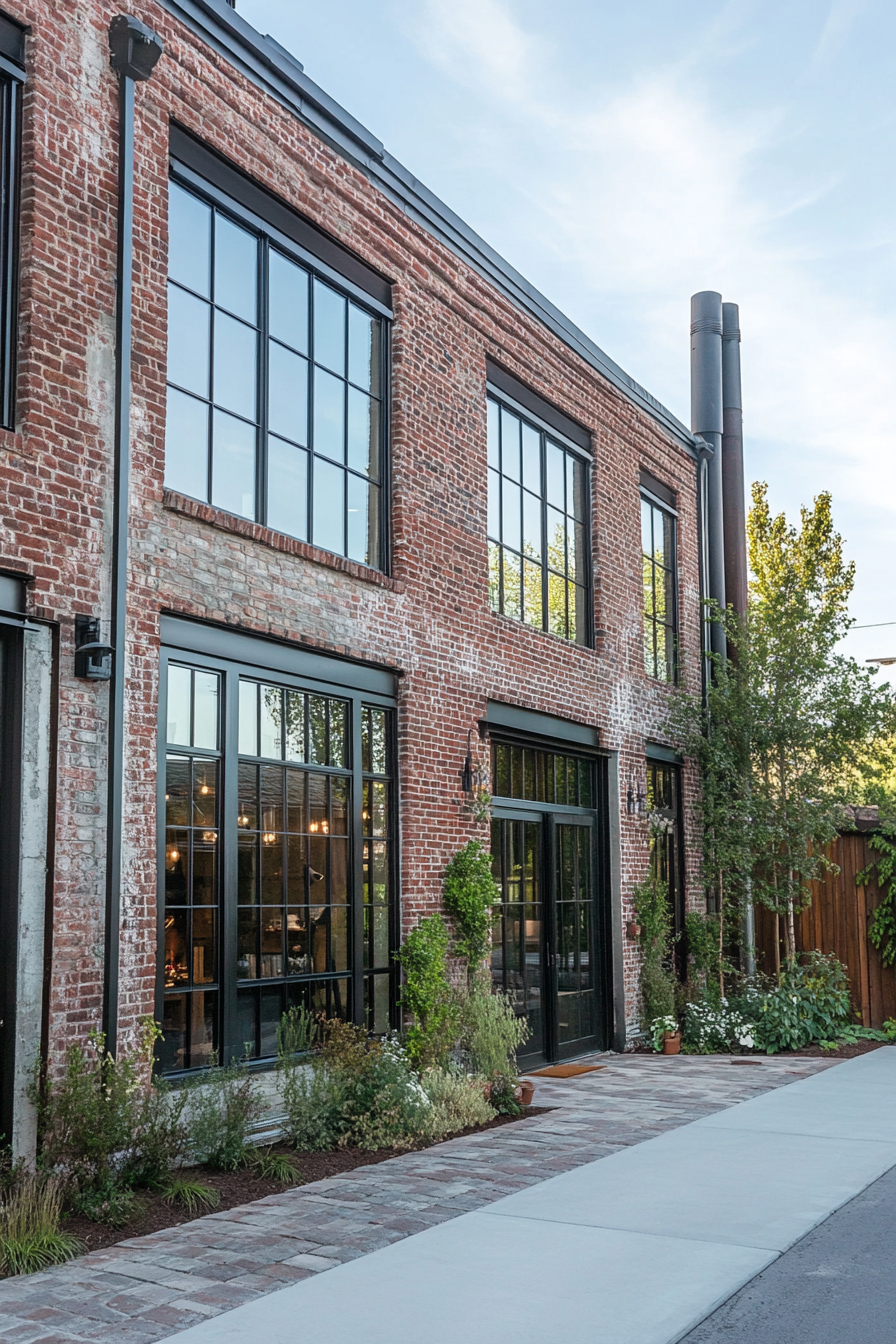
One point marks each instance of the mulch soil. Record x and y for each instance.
(244, 1186)
(814, 1051)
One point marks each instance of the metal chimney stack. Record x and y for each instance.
(707, 421)
(735, 522)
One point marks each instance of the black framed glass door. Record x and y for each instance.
(548, 945)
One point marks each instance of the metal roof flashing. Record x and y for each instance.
(264, 61)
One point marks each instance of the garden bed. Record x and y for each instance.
(245, 1185)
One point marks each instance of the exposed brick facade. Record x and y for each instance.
(430, 619)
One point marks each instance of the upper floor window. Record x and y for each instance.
(12, 56)
(275, 385)
(658, 569)
(537, 512)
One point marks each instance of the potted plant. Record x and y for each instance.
(666, 1035)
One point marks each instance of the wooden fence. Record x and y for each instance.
(837, 921)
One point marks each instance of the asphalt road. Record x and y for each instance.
(836, 1286)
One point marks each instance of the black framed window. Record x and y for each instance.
(658, 561)
(278, 883)
(275, 384)
(538, 493)
(11, 79)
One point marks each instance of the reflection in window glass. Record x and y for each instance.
(310, 432)
(541, 776)
(537, 519)
(660, 606)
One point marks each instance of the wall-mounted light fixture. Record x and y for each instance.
(466, 775)
(93, 657)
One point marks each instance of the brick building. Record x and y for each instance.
(363, 522)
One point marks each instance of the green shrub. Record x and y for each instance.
(30, 1238)
(223, 1104)
(427, 993)
(712, 1027)
(312, 1099)
(106, 1124)
(471, 894)
(811, 1004)
(490, 1031)
(189, 1193)
(658, 983)
(502, 1094)
(457, 1102)
(108, 1201)
(657, 991)
(271, 1166)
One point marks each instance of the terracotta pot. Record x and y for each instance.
(525, 1092)
(672, 1043)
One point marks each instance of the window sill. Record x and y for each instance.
(277, 541)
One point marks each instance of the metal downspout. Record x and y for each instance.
(706, 420)
(134, 50)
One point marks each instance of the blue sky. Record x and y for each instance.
(624, 155)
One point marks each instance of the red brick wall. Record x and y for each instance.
(431, 619)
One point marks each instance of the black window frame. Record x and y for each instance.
(238, 657)
(12, 77)
(552, 426)
(279, 229)
(665, 507)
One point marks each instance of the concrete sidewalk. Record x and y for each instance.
(636, 1248)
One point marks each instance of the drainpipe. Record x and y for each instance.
(704, 456)
(706, 420)
(735, 533)
(134, 50)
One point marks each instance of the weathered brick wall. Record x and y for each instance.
(430, 619)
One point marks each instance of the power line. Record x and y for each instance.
(876, 625)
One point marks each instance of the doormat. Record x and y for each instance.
(566, 1070)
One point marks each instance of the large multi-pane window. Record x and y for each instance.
(658, 569)
(275, 386)
(277, 866)
(538, 496)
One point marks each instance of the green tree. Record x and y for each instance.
(786, 719)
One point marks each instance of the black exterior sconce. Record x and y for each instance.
(466, 775)
(93, 658)
(134, 48)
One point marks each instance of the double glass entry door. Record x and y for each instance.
(545, 947)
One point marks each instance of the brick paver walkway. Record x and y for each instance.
(150, 1287)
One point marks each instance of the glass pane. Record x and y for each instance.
(296, 817)
(510, 444)
(317, 729)
(329, 415)
(556, 604)
(236, 269)
(287, 489)
(205, 709)
(376, 759)
(318, 811)
(177, 791)
(577, 552)
(178, 710)
(556, 530)
(249, 718)
(246, 1015)
(288, 302)
(205, 794)
(668, 540)
(189, 239)
(494, 505)
(188, 341)
(532, 459)
(363, 432)
(233, 465)
(247, 868)
(512, 579)
(248, 797)
(533, 613)
(295, 726)
(502, 771)
(329, 328)
(646, 529)
(271, 799)
(494, 576)
(271, 722)
(531, 525)
(297, 940)
(173, 1045)
(205, 969)
(339, 806)
(580, 500)
(337, 732)
(177, 861)
(186, 445)
(363, 349)
(511, 516)
(556, 470)
(493, 432)
(177, 969)
(577, 628)
(328, 519)
(272, 874)
(247, 944)
(271, 1010)
(287, 393)
(361, 546)
(235, 380)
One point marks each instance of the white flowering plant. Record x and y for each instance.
(659, 1027)
(714, 1028)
